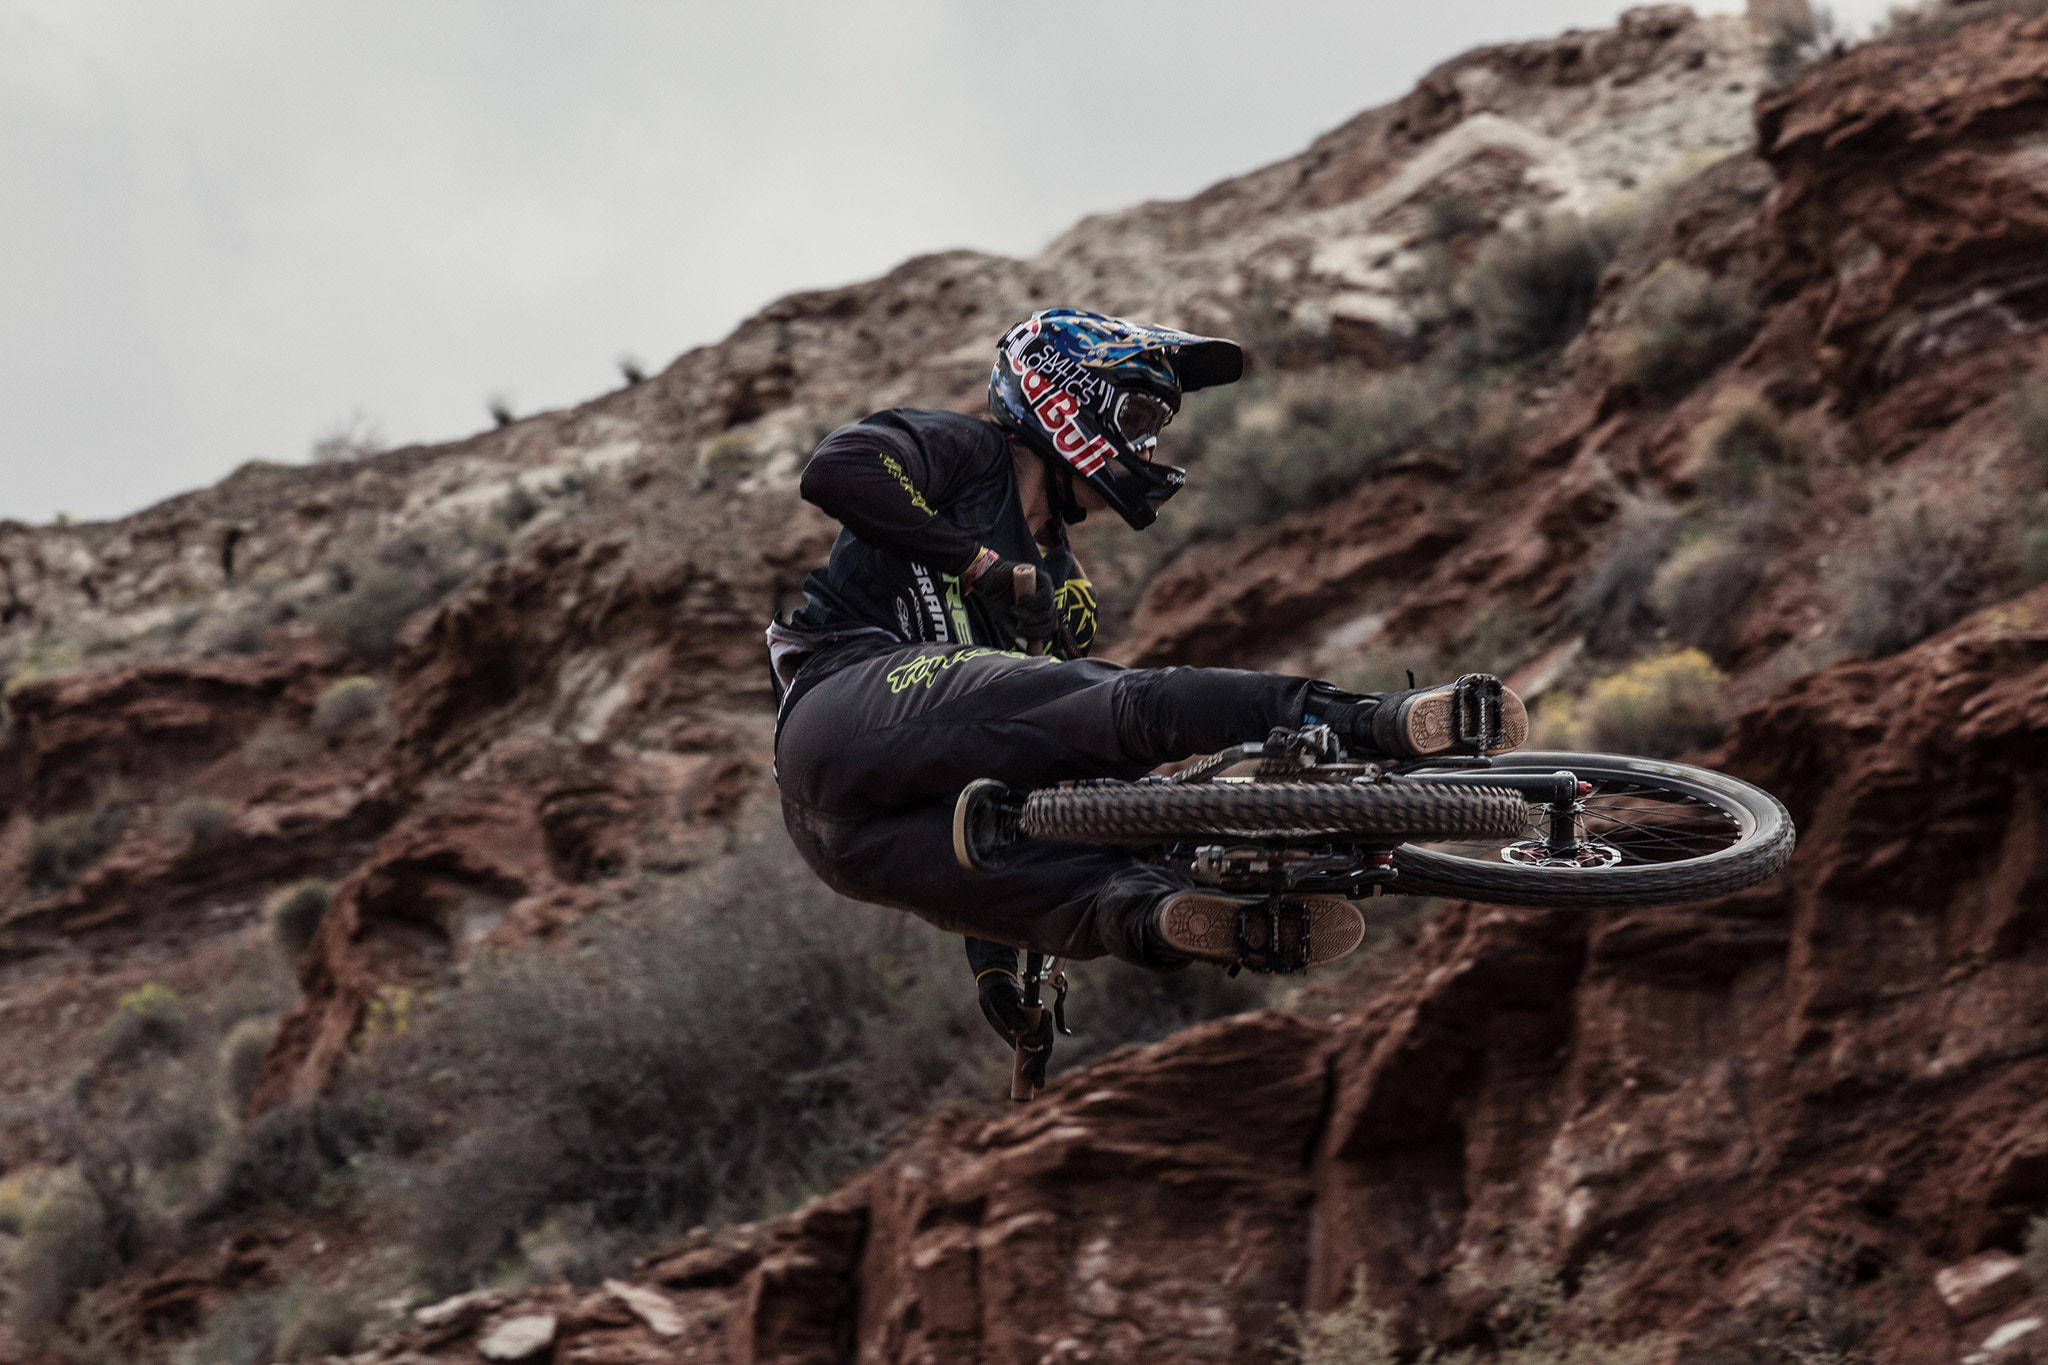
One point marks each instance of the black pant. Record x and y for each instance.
(871, 759)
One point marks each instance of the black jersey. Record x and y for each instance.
(921, 493)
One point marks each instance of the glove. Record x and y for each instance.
(1002, 1004)
(1032, 614)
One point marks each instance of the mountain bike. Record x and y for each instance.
(1296, 814)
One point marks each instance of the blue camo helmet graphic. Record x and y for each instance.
(1089, 394)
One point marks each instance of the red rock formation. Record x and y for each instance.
(1832, 1075)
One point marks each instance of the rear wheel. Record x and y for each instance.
(1158, 812)
(1649, 833)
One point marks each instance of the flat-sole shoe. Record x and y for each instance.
(1422, 723)
(1204, 926)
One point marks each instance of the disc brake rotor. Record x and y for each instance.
(1536, 853)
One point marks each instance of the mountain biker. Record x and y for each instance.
(900, 680)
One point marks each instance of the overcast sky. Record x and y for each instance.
(225, 228)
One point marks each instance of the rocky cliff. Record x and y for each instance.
(1748, 1122)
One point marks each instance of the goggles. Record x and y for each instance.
(1140, 417)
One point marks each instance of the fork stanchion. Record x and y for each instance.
(1021, 1088)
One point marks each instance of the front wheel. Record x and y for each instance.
(1651, 833)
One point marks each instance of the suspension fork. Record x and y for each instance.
(1037, 972)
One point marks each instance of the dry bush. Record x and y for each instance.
(63, 846)
(299, 1157)
(1530, 291)
(1926, 558)
(293, 915)
(1799, 36)
(1745, 449)
(1676, 326)
(355, 438)
(755, 1041)
(1489, 436)
(240, 1060)
(1659, 708)
(1704, 589)
(302, 1321)
(1613, 607)
(377, 590)
(1456, 216)
(1532, 1321)
(200, 820)
(1330, 431)
(276, 744)
(2029, 405)
(344, 705)
(1355, 1334)
(150, 1018)
(65, 1250)
(1498, 641)
(518, 506)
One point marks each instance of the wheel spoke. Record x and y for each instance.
(1643, 824)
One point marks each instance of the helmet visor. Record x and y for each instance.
(1140, 417)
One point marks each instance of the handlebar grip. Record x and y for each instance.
(1023, 583)
(1021, 1090)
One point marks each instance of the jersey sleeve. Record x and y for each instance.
(887, 489)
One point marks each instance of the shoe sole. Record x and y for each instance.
(1204, 927)
(1427, 724)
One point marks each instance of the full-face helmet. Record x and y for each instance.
(1089, 394)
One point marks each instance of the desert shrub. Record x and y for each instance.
(241, 1057)
(1704, 589)
(2030, 413)
(357, 437)
(1530, 291)
(302, 1321)
(1744, 449)
(66, 1248)
(1325, 433)
(1676, 326)
(150, 1018)
(377, 590)
(63, 846)
(2034, 1254)
(1613, 607)
(239, 622)
(294, 915)
(1532, 1321)
(1355, 1334)
(519, 505)
(1273, 337)
(347, 703)
(500, 408)
(297, 1156)
(1488, 435)
(1798, 36)
(276, 745)
(1499, 640)
(1658, 708)
(1925, 559)
(1455, 216)
(757, 1039)
(177, 1120)
(367, 618)
(199, 820)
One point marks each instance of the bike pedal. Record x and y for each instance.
(1476, 713)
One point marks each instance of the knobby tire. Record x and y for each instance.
(1119, 813)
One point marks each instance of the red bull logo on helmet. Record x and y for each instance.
(1055, 388)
